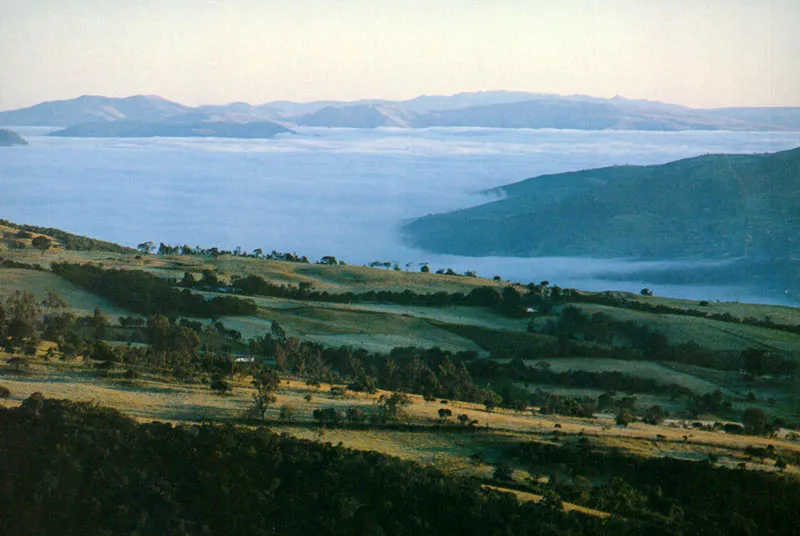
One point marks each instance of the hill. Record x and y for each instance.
(582, 114)
(494, 109)
(783, 116)
(358, 116)
(614, 413)
(712, 207)
(90, 109)
(183, 127)
(9, 138)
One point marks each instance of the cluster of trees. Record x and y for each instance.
(648, 343)
(507, 301)
(10, 263)
(607, 298)
(429, 372)
(542, 373)
(149, 248)
(148, 294)
(42, 243)
(21, 320)
(604, 329)
(670, 496)
(76, 468)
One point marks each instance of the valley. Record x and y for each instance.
(511, 366)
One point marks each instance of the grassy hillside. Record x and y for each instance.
(478, 389)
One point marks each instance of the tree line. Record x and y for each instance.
(660, 308)
(148, 294)
(508, 301)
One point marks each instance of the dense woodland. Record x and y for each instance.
(75, 468)
(72, 468)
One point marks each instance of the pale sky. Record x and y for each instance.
(702, 53)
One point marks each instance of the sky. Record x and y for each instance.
(700, 53)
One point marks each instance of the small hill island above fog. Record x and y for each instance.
(9, 138)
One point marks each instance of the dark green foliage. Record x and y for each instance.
(76, 469)
(20, 321)
(147, 294)
(755, 421)
(220, 386)
(606, 380)
(624, 417)
(672, 496)
(266, 381)
(654, 415)
(711, 206)
(614, 300)
(42, 243)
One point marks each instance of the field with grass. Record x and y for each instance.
(484, 443)
(713, 334)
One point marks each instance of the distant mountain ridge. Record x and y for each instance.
(494, 109)
(707, 207)
(92, 109)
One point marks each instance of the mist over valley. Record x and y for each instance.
(347, 192)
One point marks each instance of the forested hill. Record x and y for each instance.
(711, 206)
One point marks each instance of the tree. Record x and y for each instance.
(53, 301)
(146, 247)
(503, 473)
(278, 333)
(188, 280)
(99, 323)
(755, 361)
(606, 401)
(355, 415)
(220, 386)
(42, 243)
(286, 412)
(330, 416)
(5, 393)
(754, 420)
(18, 363)
(445, 414)
(654, 415)
(391, 407)
(624, 417)
(646, 292)
(490, 399)
(21, 318)
(512, 302)
(425, 269)
(266, 381)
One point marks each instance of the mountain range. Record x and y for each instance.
(707, 207)
(495, 109)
